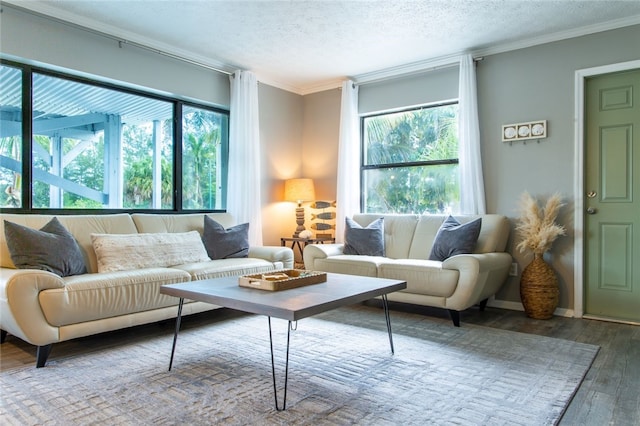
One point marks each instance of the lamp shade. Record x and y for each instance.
(299, 190)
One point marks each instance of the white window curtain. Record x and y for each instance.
(348, 191)
(472, 199)
(243, 189)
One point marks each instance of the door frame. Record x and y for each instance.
(578, 216)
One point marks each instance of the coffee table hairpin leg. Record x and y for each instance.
(286, 368)
(175, 335)
(385, 304)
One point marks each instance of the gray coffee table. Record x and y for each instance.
(291, 305)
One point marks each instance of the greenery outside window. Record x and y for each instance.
(410, 161)
(10, 137)
(102, 147)
(203, 154)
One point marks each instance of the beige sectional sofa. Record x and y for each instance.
(43, 308)
(456, 283)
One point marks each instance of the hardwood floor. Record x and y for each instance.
(610, 392)
(609, 395)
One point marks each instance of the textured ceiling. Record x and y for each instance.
(306, 45)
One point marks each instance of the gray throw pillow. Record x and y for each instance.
(225, 243)
(367, 241)
(454, 238)
(52, 248)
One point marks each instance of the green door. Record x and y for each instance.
(612, 196)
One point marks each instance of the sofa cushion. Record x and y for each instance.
(224, 243)
(228, 267)
(51, 248)
(366, 266)
(153, 223)
(455, 238)
(367, 241)
(122, 252)
(399, 231)
(494, 234)
(92, 297)
(425, 277)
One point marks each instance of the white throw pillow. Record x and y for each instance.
(123, 252)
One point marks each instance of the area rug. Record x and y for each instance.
(341, 372)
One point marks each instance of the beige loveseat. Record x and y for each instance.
(43, 308)
(456, 283)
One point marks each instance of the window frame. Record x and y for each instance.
(27, 71)
(426, 163)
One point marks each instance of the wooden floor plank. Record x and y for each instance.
(610, 392)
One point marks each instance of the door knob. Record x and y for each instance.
(591, 210)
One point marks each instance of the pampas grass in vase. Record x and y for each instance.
(538, 229)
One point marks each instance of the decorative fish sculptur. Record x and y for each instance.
(322, 204)
(322, 226)
(323, 216)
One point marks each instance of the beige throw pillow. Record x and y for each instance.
(123, 252)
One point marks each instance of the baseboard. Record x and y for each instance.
(517, 306)
(505, 304)
(564, 312)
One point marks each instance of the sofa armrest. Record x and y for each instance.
(273, 254)
(20, 311)
(481, 276)
(320, 251)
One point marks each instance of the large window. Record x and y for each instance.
(410, 161)
(97, 146)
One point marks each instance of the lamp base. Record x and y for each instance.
(299, 221)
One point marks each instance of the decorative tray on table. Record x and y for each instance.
(282, 280)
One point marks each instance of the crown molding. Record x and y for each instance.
(559, 36)
(323, 86)
(408, 69)
(279, 84)
(118, 34)
(301, 90)
(454, 59)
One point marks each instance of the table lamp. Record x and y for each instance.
(299, 190)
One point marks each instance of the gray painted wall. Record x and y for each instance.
(281, 118)
(320, 133)
(402, 92)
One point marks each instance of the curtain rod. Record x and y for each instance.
(167, 54)
(121, 41)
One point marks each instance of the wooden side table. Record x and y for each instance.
(301, 243)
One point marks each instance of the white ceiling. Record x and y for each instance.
(310, 45)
